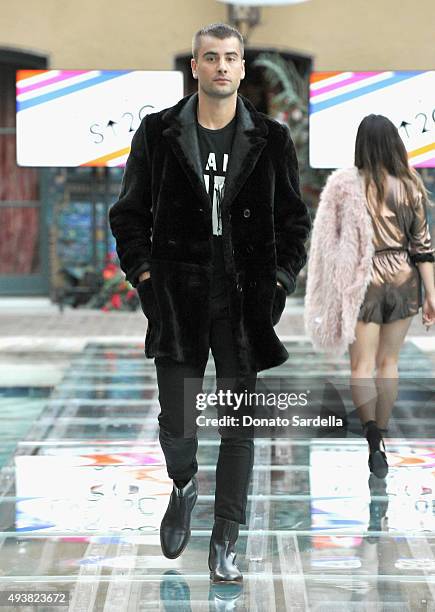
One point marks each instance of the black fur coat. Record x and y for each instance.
(162, 223)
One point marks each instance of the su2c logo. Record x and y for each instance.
(124, 123)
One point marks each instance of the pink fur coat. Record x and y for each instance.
(339, 263)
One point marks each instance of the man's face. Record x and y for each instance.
(220, 66)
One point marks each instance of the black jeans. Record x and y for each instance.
(236, 453)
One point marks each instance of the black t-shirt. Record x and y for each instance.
(215, 148)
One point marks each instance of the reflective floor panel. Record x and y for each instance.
(84, 491)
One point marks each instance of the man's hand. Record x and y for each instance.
(144, 276)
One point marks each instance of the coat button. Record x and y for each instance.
(249, 249)
(239, 287)
(246, 213)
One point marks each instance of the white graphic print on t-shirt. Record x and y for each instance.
(218, 189)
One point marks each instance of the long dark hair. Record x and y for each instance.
(379, 151)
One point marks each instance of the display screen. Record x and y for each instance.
(340, 100)
(71, 118)
(341, 504)
(90, 489)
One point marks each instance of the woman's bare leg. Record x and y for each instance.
(362, 364)
(391, 338)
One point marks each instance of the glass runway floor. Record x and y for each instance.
(82, 497)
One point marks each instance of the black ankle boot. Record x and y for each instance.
(377, 458)
(175, 526)
(222, 556)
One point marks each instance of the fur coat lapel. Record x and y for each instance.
(249, 141)
(339, 263)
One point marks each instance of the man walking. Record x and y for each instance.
(210, 229)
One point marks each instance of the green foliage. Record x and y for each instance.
(290, 103)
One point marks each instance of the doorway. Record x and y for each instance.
(23, 226)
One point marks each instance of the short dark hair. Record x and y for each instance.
(218, 30)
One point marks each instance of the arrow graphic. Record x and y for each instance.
(404, 125)
(111, 124)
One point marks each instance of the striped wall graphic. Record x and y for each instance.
(73, 118)
(62, 84)
(354, 87)
(339, 101)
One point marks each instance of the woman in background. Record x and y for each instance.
(370, 250)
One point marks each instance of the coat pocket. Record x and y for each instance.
(278, 304)
(147, 299)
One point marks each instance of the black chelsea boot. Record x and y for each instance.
(175, 526)
(222, 556)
